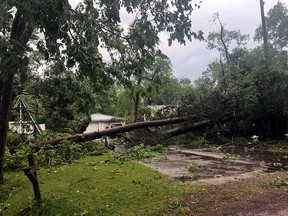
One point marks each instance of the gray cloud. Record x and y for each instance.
(191, 60)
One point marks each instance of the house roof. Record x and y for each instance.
(96, 117)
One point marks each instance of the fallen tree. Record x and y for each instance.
(95, 135)
(194, 125)
(202, 124)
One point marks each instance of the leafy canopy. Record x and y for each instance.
(276, 22)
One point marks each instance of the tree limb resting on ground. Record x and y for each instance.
(95, 135)
(201, 124)
(144, 124)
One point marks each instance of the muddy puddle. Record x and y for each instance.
(203, 166)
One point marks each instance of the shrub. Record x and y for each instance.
(15, 139)
(140, 152)
(278, 182)
(63, 153)
(193, 167)
(18, 159)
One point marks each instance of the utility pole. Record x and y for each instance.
(266, 55)
(263, 23)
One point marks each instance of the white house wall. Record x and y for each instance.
(96, 126)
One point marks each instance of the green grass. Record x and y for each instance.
(275, 147)
(93, 186)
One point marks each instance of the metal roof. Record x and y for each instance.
(97, 117)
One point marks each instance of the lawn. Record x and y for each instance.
(103, 185)
(94, 186)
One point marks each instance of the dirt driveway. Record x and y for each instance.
(250, 197)
(235, 187)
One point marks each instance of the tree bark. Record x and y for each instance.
(5, 108)
(20, 32)
(121, 129)
(145, 124)
(226, 52)
(137, 100)
(201, 124)
(136, 106)
(194, 126)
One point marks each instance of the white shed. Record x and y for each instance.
(101, 121)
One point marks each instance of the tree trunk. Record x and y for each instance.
(136, 106)
(20, 32)
(202, 124)
(121, 129)
(226, 52)
(137, 100)
(138, 125)
(5, 108)
(194, 126)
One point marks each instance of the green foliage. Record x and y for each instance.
(228, 156)
(222, 39)
(68, 108)
(253, 89)
(279, 182)
(140, 152)
(97, 187)
(49, 135)
(193, 167)
(71, 38)
(17, 160)
(244, 82)
(149, 137)
(15, 139)
(256, 174)
(276, 23)
(199, 141)
(65, 152)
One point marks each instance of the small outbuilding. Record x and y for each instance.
(101, 121)
(24, 122)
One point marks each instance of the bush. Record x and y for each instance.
(193, 167)
(15, 139)
(278, 182)
(147, 137)
(140, 152)
(63, 153)
(94, 147)
(18, 159)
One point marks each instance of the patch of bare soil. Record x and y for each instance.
(249, 197)
(254, 196)
(233, 186)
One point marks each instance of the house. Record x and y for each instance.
(101, 121)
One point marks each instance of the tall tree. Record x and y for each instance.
(222, 40)
(262, 92)
(142, 61)
(69, 107)
(73, 37)
(252, 90)
(276, 22)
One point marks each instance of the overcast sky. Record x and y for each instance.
(191, 60)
